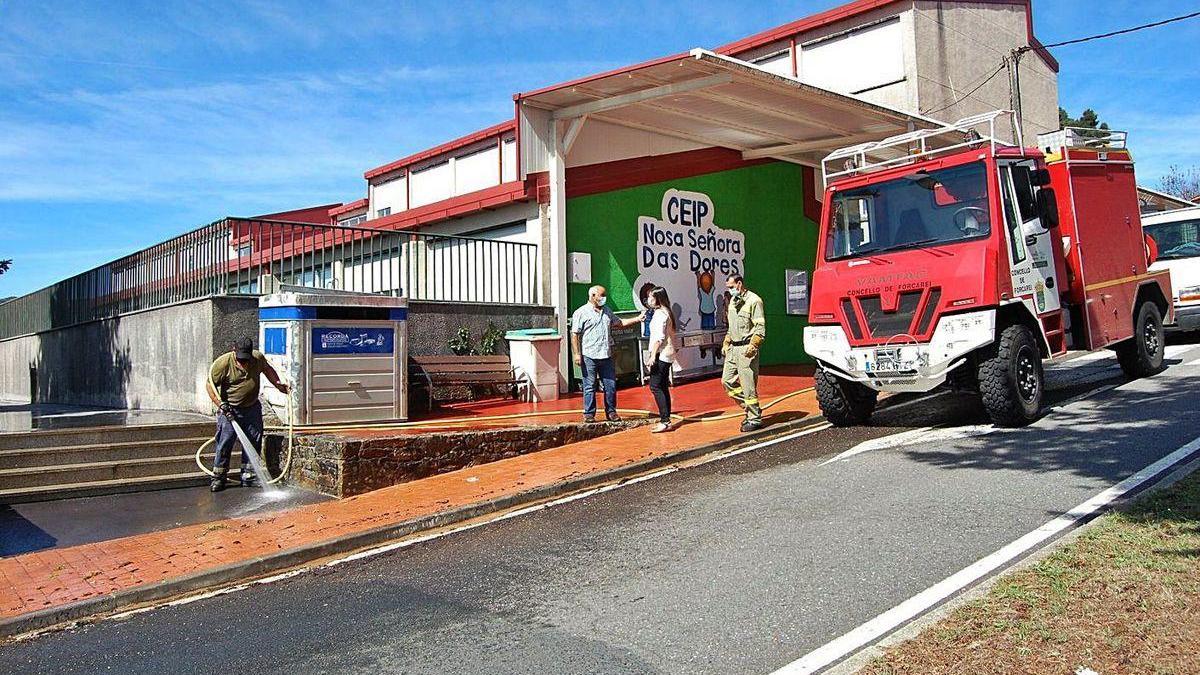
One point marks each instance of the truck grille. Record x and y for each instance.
(881, 324)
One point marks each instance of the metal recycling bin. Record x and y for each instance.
(345, 355)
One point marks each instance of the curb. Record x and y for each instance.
(262, 565)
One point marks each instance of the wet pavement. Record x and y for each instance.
(15, 416)
(70, 522)
(738, 565)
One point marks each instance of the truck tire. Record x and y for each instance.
(1142, 355)
(1011, 381)
(844, 403)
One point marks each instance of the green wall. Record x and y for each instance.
(764, 202)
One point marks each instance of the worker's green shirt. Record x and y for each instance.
(235, 385)
(746, 317)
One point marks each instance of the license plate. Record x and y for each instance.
(886, 361)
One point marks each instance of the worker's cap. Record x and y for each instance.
(243, 349)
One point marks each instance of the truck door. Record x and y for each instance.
(1030, 246)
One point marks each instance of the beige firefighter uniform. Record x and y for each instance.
(747, 330)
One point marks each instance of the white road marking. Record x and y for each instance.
(893, 441)
(1172, 351)
(918, 604)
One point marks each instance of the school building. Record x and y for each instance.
(677, 172)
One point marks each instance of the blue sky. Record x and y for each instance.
(125, 123)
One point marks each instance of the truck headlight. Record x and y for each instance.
(1189, 294)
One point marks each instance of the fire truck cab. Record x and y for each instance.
(949, 257)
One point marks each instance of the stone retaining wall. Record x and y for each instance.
(343, 467)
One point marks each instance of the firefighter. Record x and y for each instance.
(747, 330)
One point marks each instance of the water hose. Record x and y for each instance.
(287, 460)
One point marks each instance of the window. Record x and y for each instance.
(386, 211)
(1180, 239)
(359, 219)
(921, 209)
(1012, 214)
(244, 250)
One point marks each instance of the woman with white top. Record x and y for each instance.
(661, 355)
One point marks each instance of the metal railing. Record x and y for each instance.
(918, 145)
(238, 256)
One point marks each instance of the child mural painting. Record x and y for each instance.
(706, 294)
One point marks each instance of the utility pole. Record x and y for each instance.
(1014, 86)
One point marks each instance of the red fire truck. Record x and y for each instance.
(949, 257)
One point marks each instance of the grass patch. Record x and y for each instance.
(1124, 597)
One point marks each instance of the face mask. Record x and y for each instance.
(735, 293)
(651, 302)
(601, 300)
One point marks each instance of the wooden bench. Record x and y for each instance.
(432, 372)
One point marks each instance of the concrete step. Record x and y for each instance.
(43, 493)
(82, 454)
(62, 438)
(90, 472)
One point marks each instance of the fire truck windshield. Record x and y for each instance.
(924, 208)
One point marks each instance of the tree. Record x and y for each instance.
(1088, 120)
(4, 265)
(1183, 183)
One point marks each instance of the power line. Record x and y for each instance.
(1117, 32)
(960, 99)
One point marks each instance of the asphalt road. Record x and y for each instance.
(739, 565)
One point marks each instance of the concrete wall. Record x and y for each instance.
(154, 359)
(960, 44)
(159, 359)
(432, 324)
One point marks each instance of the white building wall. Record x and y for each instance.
(431, 183)
(392, 194)
(865, 59)
(476, 170)
(960, 45)
(477, 167)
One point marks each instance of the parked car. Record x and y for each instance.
(1176, 235)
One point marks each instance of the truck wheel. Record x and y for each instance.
(844, 403)
(1142, 355)
(1011, 382)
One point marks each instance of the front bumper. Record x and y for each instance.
(1187, 318)
(916, 367)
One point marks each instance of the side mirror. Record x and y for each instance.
(1040, 177)
(1151, 249)
(1048, 208)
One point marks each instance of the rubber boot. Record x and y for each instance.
(246, 479)
(217, 483)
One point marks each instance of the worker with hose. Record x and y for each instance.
(233, 387)
(747, 330)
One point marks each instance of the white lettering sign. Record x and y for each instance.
(689, 255)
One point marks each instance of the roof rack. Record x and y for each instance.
(1082, 137)
(917, 145)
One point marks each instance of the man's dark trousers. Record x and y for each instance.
(250, 420)
(607, 373)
